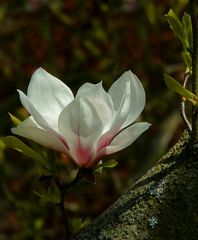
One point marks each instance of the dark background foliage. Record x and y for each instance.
(84, 41)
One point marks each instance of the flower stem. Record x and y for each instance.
(193, 7)
(68, 235)
(64, 189)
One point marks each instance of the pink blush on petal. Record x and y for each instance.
(83, 156)
(104, 142)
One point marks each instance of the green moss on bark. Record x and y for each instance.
(161, 205)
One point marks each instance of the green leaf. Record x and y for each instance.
(187, 30)
(18, 145)
(183, 30)
(86, 222)
(150, 9)
(42, 171)
(175, 25)
(107, 164)
(51, 195)
(55, 7)
(178, 88)
(76, 225)
(38, 224)
(14, 119)
(188, 61)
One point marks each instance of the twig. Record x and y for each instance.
(182, 109)
(68, 234)
(64, 189)
(193, 13)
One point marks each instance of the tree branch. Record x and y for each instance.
(193, 13)
(161, 205)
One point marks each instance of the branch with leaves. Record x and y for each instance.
(186, 31)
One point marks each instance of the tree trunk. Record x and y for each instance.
(163, 204)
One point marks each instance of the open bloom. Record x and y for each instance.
(88, 127)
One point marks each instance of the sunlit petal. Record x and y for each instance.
(33, 111)
(101, 100)
(137, 100)
(117, 121)
(121, 113)
(49, 95)
(81, 126)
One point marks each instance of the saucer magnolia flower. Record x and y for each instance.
(88, 127)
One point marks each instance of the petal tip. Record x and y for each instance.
(13, 130)
(39, 69)
(38, 73)
(149, 125)
(145, 125)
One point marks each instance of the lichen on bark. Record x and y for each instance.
(161, 205)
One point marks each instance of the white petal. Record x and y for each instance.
(29, 129)
(49, 95)
(121, 113)
(81, 126)
(126, 137)
(33, 111)
(119, 118)
(137, 100)
(101, 100)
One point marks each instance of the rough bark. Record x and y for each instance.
(163, 204)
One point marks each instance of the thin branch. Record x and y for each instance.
(68, 234)
(183, 111)
(64, 189)
(193, 13)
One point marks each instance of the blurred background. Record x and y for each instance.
(84, 41)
